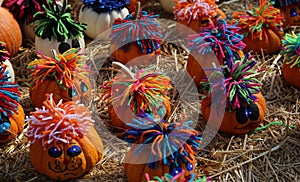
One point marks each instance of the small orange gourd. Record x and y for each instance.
(63, 142)
(64, 75)
(11, 112)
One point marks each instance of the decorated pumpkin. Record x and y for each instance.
(133, 39)
(55, 29)
(132, 92)
(168, 5)
(4, 60)
(23, 11)
(160, 148)
(63, 142)
(291, 66)
(10, 31)
(196, 13)
(262, 29)
(245, 105)
(290, 10)
(11, 112)
(217, 42)
(100, 15)
(64, 75)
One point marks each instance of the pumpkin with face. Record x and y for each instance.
(245, 105)
(11, 112)
(262, 28)
(216, 43)
(133, 39)
(291, 66)
(150, 154)
(196, 13)
(48, 76)
(64, 144)
(55, 29)
(134, 91)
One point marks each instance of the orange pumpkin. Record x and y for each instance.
(151, 155)
(291, 65)
(136, 36)
(11, 112)
(215, 43)
(196, 13)
(131, 94)
(46, 71)
(262, 29)
(245, 105)
(237, 121)
(63, 146)
(10, 31)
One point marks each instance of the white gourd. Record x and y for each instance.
(168, 5)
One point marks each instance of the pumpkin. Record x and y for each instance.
(150, 154)
(10, 31)
(291, 65)
(245, 105)
(195, 13)
(63, 142)
(4, 60)
(142, 39)
(290, 11)
(262, 29)
(11, 112)
(130, 94)
(55, 29)
(100, 15)
(218, 42)
(168, 5)
(48, 76)
(23, 11)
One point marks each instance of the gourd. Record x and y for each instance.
(64, 75)
(262, 29)
(160, 148)
(100, 15)
(55, 29)
(135, 91)
(245, 105)
(11, 112)
(216, 43)
(291, 65)
(63, 142)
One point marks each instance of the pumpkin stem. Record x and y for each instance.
(126, 71)
(137, 10)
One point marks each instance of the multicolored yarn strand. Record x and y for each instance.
(56, 22)
(262, 18)
(175, 144)
(102, 6)
(147, 91)
(291, 49)
(59, 122)
(9, 95)
(284, 3)
(145, 31)
(62, 68)
(169, 178)
(23, 10)
(221, 38)
(4, 54)
(238, 82)
(194, 10)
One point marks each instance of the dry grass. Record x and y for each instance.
(271, 153)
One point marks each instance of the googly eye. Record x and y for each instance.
(74, 151)
(55, 152)
(75, 43)
(241, 115)
(293, 12)
(83, 87)
(253, 111)
(63, 47)
(72, 92)
(176, 171)
(189, 167)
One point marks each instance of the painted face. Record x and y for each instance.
(291, 15)
(65, 161)
(81, 90)
(188, 168)
(247, 117)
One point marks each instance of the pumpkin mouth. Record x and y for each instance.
(66, 168)
(250, 126)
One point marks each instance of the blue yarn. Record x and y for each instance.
(102, 6)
